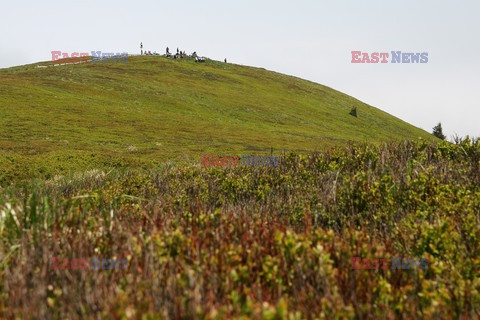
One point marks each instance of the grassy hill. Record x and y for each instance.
(151, 109)
(320, 236)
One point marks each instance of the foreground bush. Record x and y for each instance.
(265, 243)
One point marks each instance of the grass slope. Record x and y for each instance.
(151, 109)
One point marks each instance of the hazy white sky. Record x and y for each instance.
(308, 39)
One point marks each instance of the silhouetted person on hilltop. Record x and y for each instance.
(168, 51)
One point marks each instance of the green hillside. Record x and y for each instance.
(152, 109)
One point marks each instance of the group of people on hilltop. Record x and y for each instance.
(149, 53)
(178, 55)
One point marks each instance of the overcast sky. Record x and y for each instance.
(308, 39)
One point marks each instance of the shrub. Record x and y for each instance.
(353, 112)
(438, 131)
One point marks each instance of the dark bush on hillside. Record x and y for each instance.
(353, 112)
